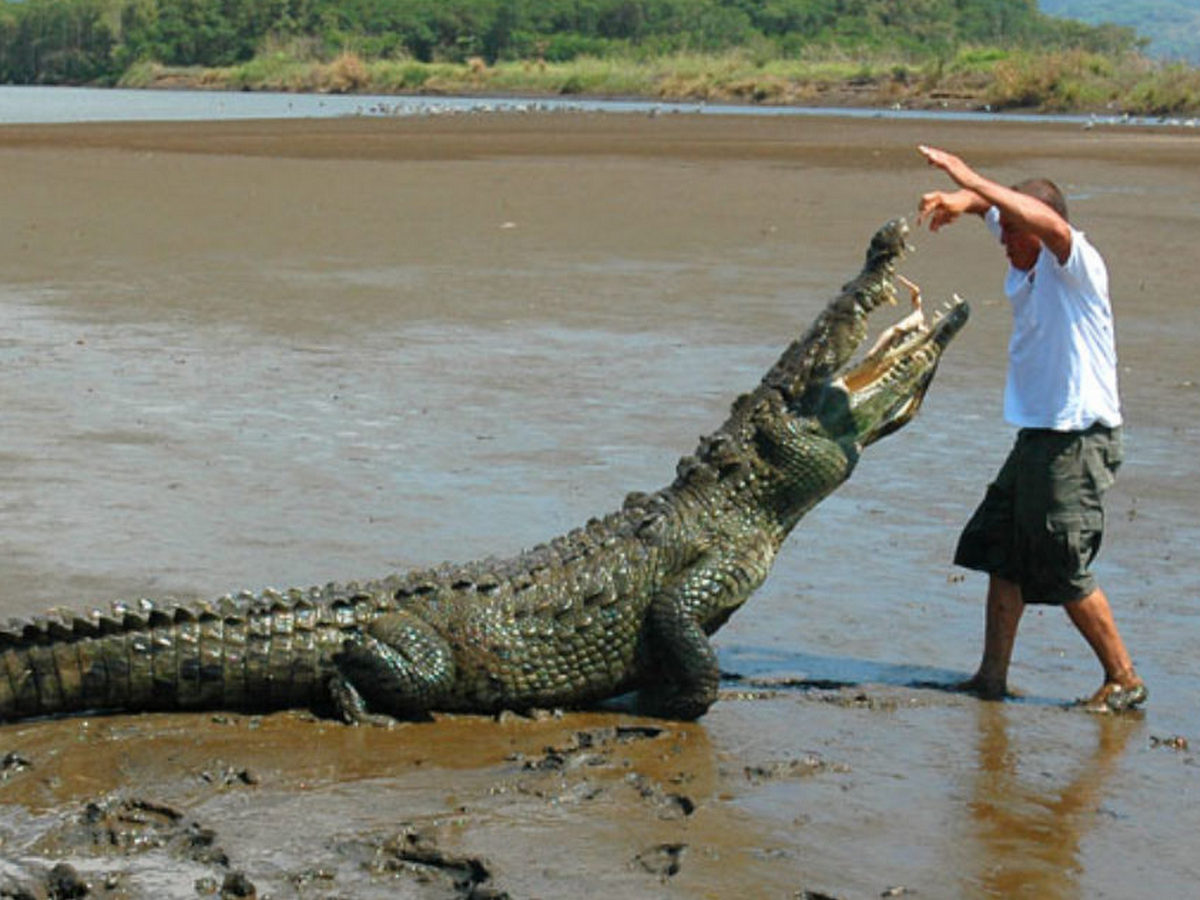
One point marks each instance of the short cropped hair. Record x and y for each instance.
(1047, 191)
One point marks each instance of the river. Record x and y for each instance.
(37, 104)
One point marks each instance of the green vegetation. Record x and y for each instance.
(770, 51)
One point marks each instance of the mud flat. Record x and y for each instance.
(247, 354)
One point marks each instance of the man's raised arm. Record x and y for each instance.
(1018, 211)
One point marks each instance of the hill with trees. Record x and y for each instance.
(1171, 27)
(51, 41)
(997, 52)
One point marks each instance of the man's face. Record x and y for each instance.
(1021, 247)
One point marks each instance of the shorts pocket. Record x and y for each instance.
(1101, 461)
(1073, 542)
(1114, 451)
(1084, 521)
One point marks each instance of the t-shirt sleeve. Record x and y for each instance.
(991, 219)
(1084, 266)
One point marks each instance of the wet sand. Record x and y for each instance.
(246, 354)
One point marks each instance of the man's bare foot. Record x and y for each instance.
(1115, 697)
(983, 688)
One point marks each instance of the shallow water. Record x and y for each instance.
(286, 371)
(28, 104)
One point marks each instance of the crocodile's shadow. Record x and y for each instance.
(758, 667)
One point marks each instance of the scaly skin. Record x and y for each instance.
(625, 603)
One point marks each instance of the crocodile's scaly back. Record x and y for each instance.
(626, 602)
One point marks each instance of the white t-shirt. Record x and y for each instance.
(1062, 358)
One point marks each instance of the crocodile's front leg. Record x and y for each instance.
(684, 674)
(401, 667)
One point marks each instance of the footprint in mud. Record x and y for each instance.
(414, 853)
(61, 882)
(598, 748)
(663, 860)
(669, 804)
(121, 828)
(589, 748)
(793, 768)
(134, 825)
(12, 763)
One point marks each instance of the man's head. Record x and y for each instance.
(1021, 247)
(1047, 191)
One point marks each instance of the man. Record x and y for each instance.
(1040, 523)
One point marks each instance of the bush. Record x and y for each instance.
(345, 75)
(1167, 91)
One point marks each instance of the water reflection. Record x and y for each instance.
(1027, 822)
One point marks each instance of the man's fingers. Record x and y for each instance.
(937, 216)
(930, 207)
(938, 158)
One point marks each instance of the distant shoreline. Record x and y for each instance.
(1070, 82)
(38, 105)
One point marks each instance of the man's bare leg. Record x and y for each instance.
(1004, 608)
(1122, 687)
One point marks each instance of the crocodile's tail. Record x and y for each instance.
(268, 654)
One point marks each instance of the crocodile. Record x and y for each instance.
(624, 605)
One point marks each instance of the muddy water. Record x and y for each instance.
(238, 355)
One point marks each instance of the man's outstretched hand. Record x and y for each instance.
(948, 163)
(941, 208)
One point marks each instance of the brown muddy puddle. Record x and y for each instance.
(325, 352)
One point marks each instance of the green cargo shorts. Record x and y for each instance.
(1042, 519)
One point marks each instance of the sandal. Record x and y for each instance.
(1113, 697)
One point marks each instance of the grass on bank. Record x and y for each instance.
(1052, 82)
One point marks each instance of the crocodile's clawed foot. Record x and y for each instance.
(351, 707)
